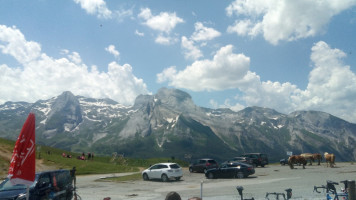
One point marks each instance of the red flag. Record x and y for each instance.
(22, 165)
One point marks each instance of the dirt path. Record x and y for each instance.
(6, 154)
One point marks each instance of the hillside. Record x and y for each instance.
(48, 158)
(6, 148)
(169, 124)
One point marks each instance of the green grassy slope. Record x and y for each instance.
(53, 159)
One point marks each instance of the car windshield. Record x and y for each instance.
(6, 185)
(174, 166)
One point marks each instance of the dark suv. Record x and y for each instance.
(55, 185)
(202, 165)
(258, 159)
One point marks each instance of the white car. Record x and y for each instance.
(163, 171)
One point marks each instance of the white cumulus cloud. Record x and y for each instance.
(95, 7)
(112, 50)
(283, 20)
(17, 46)
(203, 33)
(42, 77)
(332, 84)
(331, 87)
(139, 33)
(223, 72)
(164, 23)
(190, 50)
(165, 40)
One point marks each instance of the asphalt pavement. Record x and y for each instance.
(272, 178)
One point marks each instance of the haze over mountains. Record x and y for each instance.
(170, 124)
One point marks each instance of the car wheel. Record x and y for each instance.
(164, 178)
(262, 165)
(240, 175)
(145, 177)
(190, 169)
(210, 175)
(177, 178)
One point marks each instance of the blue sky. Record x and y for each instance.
(280, 54)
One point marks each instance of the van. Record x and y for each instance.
(56, 185)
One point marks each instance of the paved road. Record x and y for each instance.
(273, 178)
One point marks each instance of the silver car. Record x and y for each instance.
(163, 171)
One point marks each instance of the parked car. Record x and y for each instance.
(242, 159)
(202, 165)
(258, 159)
(231, 170)
(284, 161)
(48, 184)
(163, 171)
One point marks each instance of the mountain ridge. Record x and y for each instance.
(168, 123)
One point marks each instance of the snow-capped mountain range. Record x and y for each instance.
(169, 124)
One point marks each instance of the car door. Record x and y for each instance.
(199, 165)
(155, 171)
(225, 171)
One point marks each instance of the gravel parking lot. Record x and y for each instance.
(272, 178)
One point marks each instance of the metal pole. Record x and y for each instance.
(27, 192)
(201, 189)
(352, 190)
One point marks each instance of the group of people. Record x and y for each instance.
(90, 156)
(64, 155)
(82, 157)
(176, 196)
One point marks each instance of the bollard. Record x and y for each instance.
(201, 189)
(352, 190)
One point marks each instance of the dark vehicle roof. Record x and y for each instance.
(53, 171)
(236, 163)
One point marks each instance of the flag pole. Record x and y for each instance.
(28, 192)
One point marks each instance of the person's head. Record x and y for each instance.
(173, 196)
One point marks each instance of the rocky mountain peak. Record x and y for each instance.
(175, 99)
(65, 113)
(259, 114)
(143, 100)
(172, 95)
(64, 99)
